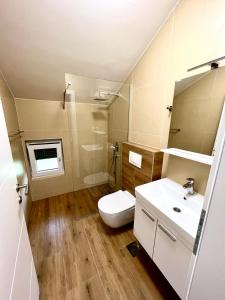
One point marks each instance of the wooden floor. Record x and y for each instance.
(78, 257)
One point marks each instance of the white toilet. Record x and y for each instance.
(117, 209)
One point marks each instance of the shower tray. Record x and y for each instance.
(96, 178)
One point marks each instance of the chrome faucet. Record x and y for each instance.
(189, 186)
(115, 147)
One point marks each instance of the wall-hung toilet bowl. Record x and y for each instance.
(117, 209)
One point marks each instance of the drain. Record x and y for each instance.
(134, 248)
(177, 209)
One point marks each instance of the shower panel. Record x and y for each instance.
(92, 130)
(118, 125)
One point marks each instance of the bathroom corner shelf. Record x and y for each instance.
(92, 147)
(201, 158)
(99, 132)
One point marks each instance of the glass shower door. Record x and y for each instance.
(88, 104)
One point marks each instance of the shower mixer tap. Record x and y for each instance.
(115, 147)
(113, 168)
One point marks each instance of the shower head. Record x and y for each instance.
(102, 96)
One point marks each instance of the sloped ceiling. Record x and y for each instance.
(42, 40)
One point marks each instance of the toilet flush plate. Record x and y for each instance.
(135, 159)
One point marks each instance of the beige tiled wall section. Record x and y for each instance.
(76, 126)
(193, 34)
(15, 142)
(118, 131)
(197, 111)
(46, 120)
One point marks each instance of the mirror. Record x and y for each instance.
(197, 108)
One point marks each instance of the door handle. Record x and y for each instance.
(20, 187)
(23, 186)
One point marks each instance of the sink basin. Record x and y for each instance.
(166, 199)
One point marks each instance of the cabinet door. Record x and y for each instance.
(145, 227)
(172, 257)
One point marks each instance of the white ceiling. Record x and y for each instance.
(42, 40)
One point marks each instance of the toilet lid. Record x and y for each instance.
(116, 202)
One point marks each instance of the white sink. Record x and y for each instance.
(163, 195)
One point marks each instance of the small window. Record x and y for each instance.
(45, 157)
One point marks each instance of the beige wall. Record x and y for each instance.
(193, 34)
(77, 125)
(45, 120)
(118, 132)
(197, 112)
(15, 142)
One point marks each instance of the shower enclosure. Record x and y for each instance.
(97, 112)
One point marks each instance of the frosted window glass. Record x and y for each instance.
(47, 164)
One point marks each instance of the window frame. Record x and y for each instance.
(45, 144)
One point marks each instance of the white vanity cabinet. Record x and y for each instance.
(145, 227)
(172, 257)
(163, 245)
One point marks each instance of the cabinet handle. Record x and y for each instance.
(148, 215)
(170, 235)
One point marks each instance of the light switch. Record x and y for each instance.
(135, 159)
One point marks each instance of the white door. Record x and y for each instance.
(208, 278)
(18, 278)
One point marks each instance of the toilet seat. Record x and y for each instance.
(116, 202)
(117, 209)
